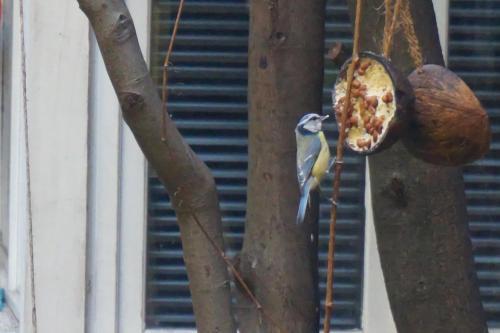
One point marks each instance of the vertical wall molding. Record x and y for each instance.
(442, 9)
(57, 68)
(103, 210)
(377, 316)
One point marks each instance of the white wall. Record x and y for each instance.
(58, 67)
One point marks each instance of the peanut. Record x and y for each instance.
(387, 98)
(362, 143)
(366, 104)
(364, 66)
(372, 100)
(353, 120)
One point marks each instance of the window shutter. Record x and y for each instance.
(474, 54)
(208, 87)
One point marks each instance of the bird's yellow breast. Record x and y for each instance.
(323, 160)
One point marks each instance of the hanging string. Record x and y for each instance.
(28, 169)
(387, 25)
(166, 63)
(401, 13)
(338, 171)
(411, 35)
(390, 25)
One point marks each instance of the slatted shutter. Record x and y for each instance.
(474, 54)
(208, 103)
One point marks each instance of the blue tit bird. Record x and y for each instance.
(313, 157)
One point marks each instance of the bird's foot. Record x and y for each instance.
(333, 202)
(332, 163)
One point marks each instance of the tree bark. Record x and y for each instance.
(420, 212)
(187, 179)
(279, 258)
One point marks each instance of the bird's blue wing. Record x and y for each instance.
(308, 148)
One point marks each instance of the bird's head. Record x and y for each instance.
(311, 123)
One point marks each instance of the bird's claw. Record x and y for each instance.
(333, 202)
(333, 161)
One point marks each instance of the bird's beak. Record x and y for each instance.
(325, 117)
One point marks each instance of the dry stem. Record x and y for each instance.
(164, 91)
(338, 171)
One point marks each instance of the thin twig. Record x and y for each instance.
(338, 171)
(236, 274)
(166, 63)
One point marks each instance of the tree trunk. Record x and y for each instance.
(187, 179)
(420, 212)
(279, 258)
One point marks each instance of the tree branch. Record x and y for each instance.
(187, 179)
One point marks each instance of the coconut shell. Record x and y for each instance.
(402, 95)
(447, 126)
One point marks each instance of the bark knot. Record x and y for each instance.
(278, 39)
(123, 29)
(396, 191)
(131, 101)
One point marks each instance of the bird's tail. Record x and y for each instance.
(304, 199)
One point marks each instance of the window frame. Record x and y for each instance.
(13, 178)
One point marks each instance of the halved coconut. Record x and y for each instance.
(379, 97)
(447, 126)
